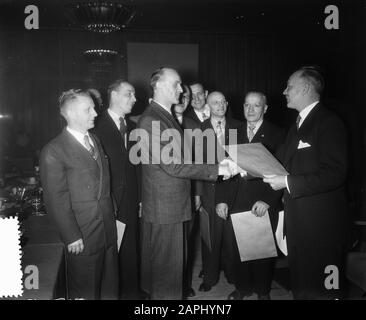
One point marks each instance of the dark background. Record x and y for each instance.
(243, 45)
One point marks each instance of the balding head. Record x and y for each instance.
(255, 106)
(303, 88)
(77, 107)
(166, 84)
(217, 103)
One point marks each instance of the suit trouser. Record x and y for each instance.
(211, 260)
(93, 276)
(129, 263)
(250, 276)
(162, 260)
(191, 228)
(308, 274)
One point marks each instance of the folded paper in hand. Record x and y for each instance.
(280, 237)
(254, 236)
(255, 159)
(120, 232)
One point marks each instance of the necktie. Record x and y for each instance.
(251, 128)
(123, 129)
(298, 122)
(220, 133)
(204, 116)
(90, 148)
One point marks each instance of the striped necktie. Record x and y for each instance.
(89, 147)
(251, 128)
(220, 133)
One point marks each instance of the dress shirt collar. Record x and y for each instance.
(164, 107)
(115, 117)
(215, 123)
(305, 112)
(257, 126)
(205, 110)
(79, 136)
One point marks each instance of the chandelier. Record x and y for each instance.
(101, 16)
(101, 57)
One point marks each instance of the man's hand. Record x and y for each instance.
(260, 208)
(197, 202)
(222, 210)
(228, 169)
(76, 247)
(276, 182)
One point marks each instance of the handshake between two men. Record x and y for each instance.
(228, 169)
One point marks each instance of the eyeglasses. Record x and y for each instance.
(219, 103)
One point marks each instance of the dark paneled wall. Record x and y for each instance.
(37, 65)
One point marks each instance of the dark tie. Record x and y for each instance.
(298, 122)
(90, 148)
(122, 129)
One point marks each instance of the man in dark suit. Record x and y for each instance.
(191, 226)
(166, 186)
(75, 178)
(315, 155)
(240, 194)
(221, 125)
(113, 128)
(199, 110)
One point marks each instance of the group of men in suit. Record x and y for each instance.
(89, 183)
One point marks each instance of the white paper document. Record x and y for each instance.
(120, 232)
(254, 236)
(281, 240)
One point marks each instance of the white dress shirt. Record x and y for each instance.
(257, 126)
(304, 112)
(115, 117)
(164, 107)
(80, 137)
(215, 124)
(205, 110)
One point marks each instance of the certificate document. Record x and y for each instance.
(255, 159)
(254, 236)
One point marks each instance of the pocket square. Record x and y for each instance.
(303, 145)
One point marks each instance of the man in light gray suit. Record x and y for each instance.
(166, 192)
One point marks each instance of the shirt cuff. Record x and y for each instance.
(288, 189)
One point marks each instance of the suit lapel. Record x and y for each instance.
(111, 124)
(259, 135)
(99, 160)
(291, 144)
(78, 150)
(167, 117)
(294, 135)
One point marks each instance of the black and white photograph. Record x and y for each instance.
(199, 151)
